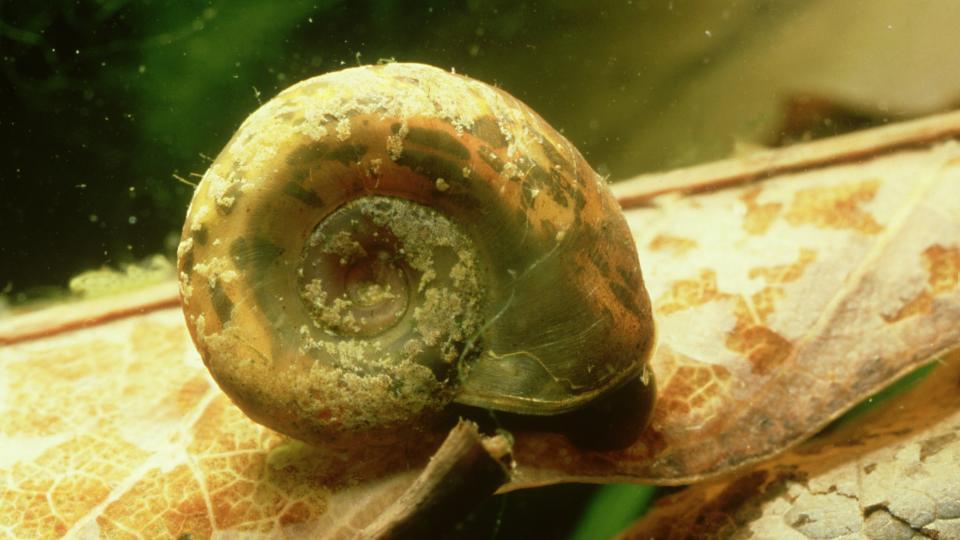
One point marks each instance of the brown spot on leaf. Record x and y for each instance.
(759, 217)
(693, 388)
(677, 245)
(689, 293)
(764, 302)
(836, 207)
(785, 272)
(920, 304)
(942, 264)
(762, 347)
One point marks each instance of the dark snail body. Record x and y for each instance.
(376, 243)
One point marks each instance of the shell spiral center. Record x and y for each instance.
(379, 266)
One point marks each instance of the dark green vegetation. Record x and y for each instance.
(105, 102)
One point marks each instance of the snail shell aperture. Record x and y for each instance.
(376, 243)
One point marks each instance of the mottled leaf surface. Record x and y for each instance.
(892, 474)
(118, 432)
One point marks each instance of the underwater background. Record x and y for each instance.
(111, 109)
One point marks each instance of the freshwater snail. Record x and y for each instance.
(376, 243)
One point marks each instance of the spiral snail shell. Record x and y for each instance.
(376, 243)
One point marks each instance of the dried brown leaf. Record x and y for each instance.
(892, 474)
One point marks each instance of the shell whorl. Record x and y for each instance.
(377, 242)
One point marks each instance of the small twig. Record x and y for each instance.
(866, 144)
(83, 313)
(467, 469)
